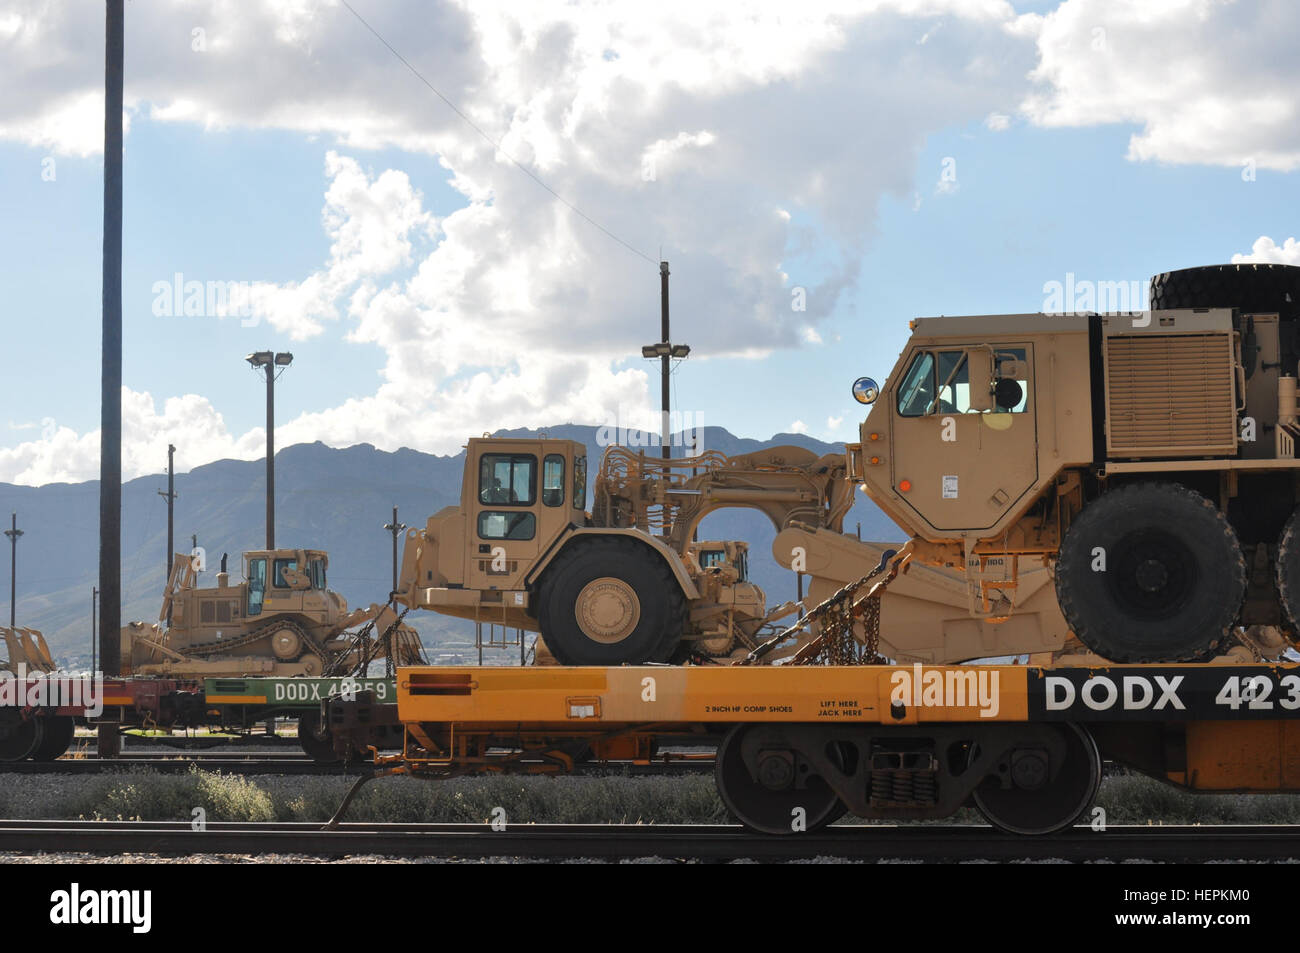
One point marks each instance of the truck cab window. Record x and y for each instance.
(945, 374)
(917, 390)
(1019, 355)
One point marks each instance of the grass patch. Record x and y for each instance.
(140, 793)
(536, 800)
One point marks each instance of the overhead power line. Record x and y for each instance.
(495, 142)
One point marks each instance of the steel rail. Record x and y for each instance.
(932, 843)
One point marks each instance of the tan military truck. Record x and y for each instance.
(1150, 458)
(281, 620)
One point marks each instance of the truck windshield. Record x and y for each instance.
(917, 390)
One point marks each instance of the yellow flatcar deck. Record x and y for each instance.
(878, 694)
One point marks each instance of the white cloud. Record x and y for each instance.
(798, 426)
(1207, 81)
(1266, 250)
(998, 122)
(63, 456)
(512, 310)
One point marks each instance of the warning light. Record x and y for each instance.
(905, 486)
(874, 436)
(875, 461)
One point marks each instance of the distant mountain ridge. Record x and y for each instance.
(331, 499)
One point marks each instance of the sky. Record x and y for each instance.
(453, 213)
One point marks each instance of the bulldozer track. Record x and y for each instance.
(225, 646)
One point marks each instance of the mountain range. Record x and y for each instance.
(332, 499)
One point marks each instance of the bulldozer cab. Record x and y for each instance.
(280, 579)
(517, 496)
(957, 421)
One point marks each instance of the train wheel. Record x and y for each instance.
(57, 732)
(18, 738)
(317, 743)
(1042, 798)
(771, 803)
(1288, 570)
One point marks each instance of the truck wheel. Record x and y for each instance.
(1250, 287)
(1151, 572)
(1288, 570)
(611, 602)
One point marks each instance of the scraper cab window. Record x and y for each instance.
(507, 479)
(316, 570)
(553, 480)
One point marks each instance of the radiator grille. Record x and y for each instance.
(1170, 395)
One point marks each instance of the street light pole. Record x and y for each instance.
(13, 533)
(665, 350)
(396, 529)
(170, 496)
(270, 361)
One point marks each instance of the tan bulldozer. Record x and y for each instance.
(281, 620)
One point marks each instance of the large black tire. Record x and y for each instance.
(1174, 576)
(1262, 288)
(611, 601)
(1288, 570)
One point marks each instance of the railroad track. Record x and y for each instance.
(677, 842)
(284, 764)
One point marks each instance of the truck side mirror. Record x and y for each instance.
(980, 362)
(865, 390)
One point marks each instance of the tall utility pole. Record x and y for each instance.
(170, 497)
(13, 533)
(396, 529)
(270, 361)
(110, 427)
(94, 613)
(110, 396)
(665, 351)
